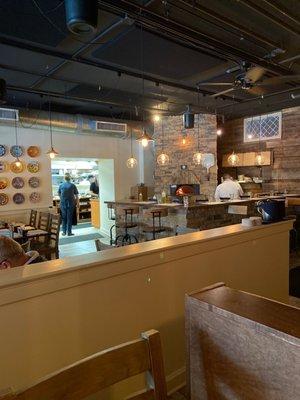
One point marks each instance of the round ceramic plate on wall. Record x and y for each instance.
(3, 183)
(16, 168)
(16, 151)
(2, 166)
(3, 199)
(33, 151)
(33, 167)
(18, 198)
(2, 150)
(35, 197)
(18, 182)
(34, 182)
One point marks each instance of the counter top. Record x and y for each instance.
(199, 204)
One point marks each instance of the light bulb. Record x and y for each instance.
(156, 118)
(250, 136)
(163, 159)
(145, 142)
(219, 132)
(233, 159)
(183, 141)
(52, 155)
(197, 158)
(259, 159)
(18, 163)
(131, 162)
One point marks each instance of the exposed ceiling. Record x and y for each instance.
(153, 54)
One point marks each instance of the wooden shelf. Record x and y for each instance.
(248, 159)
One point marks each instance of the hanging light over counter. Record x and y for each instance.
(163, 158)
(145, 139)
(233, 159)
(131, 162)
(197, 157)
(52, 153)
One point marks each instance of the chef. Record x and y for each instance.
(228, 189)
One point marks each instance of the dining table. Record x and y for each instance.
(25, 235)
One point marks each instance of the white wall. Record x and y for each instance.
(68, 145)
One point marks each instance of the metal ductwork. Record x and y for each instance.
(75, 124)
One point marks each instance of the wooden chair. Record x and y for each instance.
(102, 370)
(100, 246)
(51, 244)
(33, 218)
(44, 221)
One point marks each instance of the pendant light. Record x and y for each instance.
(259, 158)
(233, 159)
(17, 161)
(131, 162)
(52, 153)
(145, 139)
(163, 159)
(197, 157)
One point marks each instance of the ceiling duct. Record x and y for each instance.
(9, 115)
(106, 126)
(70, 123)
(81, 16)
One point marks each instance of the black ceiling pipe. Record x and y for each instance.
(81, 16)
(3, 92)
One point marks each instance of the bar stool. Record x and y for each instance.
(112, 217)
(156, 214)
(128, 223)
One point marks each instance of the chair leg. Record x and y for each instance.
(111, 234)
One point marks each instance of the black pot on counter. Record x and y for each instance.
(271, 210)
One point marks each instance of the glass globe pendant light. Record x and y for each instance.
(145, 139)
(197, 157)
(163, 158)
(233, 159)
(17, 161)
(52, 153)
(131, 162)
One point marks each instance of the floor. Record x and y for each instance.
(82, 242)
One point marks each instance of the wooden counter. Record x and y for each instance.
(95, 213)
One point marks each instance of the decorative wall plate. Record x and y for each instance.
(3, 166)
(35, 197)
(18, 198)
(16, 151)
(33, 151)
(34, 182)
(3, 183)
(17, 169)
(33, 167)
(2, 150)
(3, 199)
(18, 182)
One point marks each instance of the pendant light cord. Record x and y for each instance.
(198, 100)
(16, 131)
(130, 116)
(50, 123)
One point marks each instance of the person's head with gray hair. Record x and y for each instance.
(227, 177)
(11, 253)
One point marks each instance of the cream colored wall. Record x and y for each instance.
(68, 145)
(55, 313)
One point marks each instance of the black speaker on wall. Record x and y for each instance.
(81, 16)
(188, 119)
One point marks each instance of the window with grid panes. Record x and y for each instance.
(262, 127)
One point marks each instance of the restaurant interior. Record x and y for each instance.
(150, 199)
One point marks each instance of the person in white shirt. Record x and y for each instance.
(228, 188)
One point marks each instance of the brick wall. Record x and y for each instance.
(183, 154)
(285, 172)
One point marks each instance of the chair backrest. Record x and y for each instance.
(101, 370)
(102, 246)
(32, 218)
(54, 230)
(44, 220)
